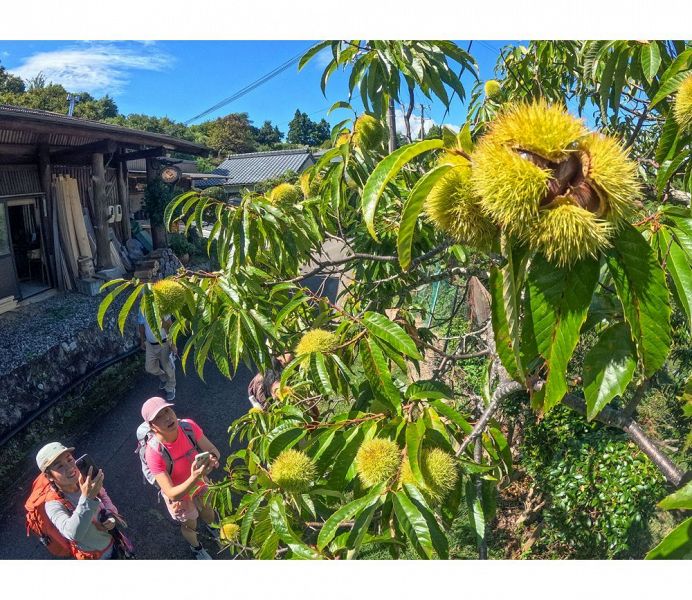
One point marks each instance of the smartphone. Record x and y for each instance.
(84, 462)
(202, 458)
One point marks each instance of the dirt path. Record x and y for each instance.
(213, 404)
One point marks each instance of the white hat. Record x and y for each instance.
(49, 453)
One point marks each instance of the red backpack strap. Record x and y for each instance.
(189, 432)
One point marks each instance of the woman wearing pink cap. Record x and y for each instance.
(180, 479)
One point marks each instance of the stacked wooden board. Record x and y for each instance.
(72, 246)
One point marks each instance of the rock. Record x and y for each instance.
(134, 249)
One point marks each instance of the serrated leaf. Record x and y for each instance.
(678, 265)
(504, 315)
(667, 170)
(673, 77)
(414, 438)
(383, 174)
(641, 286)
(247, 521)
(650, 60)
(412, 209)
(679, 500)
(608, 368)
(475, 509)
(312, 52)
(125, 310)
(677, 545)
(377, 373)
(606, 81)
(346, 513)
(428, 389)
(382, 327)
(452, 415)
(323, 378)
(438, 538)
(277, 514)
(558, 299)
(108, 300)
(667, 140)
(414, 525)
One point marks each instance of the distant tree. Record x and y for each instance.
(268, 135)
(96, 110)
(37, 82)
(10, 83)
(267, 185)
(232, 134)
(153, 124)
(303, 130)
(205, 164)
(435, 132)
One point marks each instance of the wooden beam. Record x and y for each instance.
(102, 147)
(150, 153)
(103, 248)
(124, 197)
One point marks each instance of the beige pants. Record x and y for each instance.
(158, 363)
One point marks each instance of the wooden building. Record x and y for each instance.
(38, 149)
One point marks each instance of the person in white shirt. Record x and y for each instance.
(159, 359)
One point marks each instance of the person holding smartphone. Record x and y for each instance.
(78, 502)
(181, 479)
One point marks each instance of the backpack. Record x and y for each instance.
(146, 437)
(38, 523)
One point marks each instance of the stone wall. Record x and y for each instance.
(73, 345)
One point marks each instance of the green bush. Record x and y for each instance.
(600, 489)
(180, 245)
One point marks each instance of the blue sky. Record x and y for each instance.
(180, 79)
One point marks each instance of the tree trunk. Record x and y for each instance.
(103, 247)
(124, 198)
(158, 232)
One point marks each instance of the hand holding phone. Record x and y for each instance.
(84, 462)
(202, 459)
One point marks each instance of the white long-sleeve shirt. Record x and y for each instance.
(78, 526)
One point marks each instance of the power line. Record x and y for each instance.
(248, 88)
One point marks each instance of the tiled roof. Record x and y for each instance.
(17, 117)
(247, 169)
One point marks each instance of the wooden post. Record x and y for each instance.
(103, 248)
(158, 231)
(124, 198)
(45, 174)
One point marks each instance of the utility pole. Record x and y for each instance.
(72, 99)
(391, 123)
(422, 120)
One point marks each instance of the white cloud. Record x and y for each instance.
(415, 121)
(323, 58)
(96, 67)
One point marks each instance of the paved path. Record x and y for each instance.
(213, 404)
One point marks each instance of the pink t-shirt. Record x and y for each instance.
(182, 453)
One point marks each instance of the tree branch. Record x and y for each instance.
(637, 128)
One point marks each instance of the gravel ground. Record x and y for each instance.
(31, 330)
(214, 404)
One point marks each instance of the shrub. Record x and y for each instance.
(600, 489)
